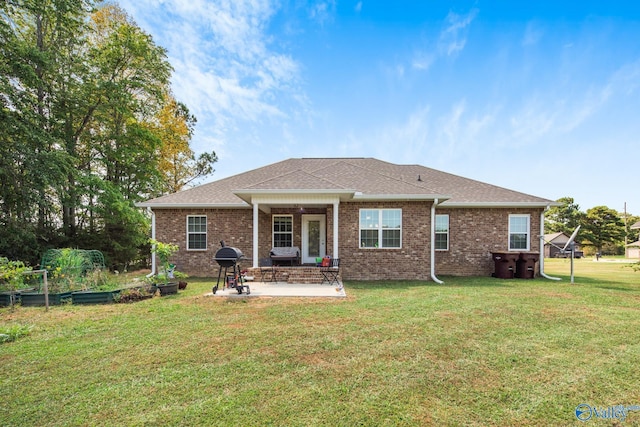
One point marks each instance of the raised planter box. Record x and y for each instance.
(34, 299)
(94, 297)
(5, 298)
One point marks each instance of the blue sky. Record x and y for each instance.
(541, 97)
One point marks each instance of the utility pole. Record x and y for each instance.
(626, 230)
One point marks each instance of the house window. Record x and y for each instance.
(380, 228)
(519, 232)
(283, 231)
(442, 233)
(196, 232)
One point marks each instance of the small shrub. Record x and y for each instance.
(11, 274)
(12, 333)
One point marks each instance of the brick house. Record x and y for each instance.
(384, 221)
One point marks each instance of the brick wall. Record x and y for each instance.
(411, 262)
(234, 226)
(473, 234)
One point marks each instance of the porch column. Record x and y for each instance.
(255, 235)
(335, 229)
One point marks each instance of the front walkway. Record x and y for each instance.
(283, 289)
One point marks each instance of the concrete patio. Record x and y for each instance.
(283, 289)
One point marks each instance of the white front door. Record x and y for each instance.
(313, 238)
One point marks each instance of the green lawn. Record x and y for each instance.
(474, 351)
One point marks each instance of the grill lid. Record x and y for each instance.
(229, 252)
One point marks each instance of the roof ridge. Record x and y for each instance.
(335, 162)
(387, 175)
(296, 171)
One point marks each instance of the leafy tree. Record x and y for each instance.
(89, 128)
(632, 235)
(178, 164)
(130, 73)
(602, 225)
(38, 71)
(564, 218)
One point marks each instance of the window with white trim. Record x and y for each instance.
(442, 232)
(282, 231)
(380, 228)
(519, 232)
(196, 232)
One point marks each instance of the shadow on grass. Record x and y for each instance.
(616, 288)
(598, 282)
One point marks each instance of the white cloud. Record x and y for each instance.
(323, 11)
(358, 7)
(451, 40)
(454, 37)
(226, 70)
(626, 79)
(560, 111)
(422, 60)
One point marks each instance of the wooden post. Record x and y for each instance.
(46, 291)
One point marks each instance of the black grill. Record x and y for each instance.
(228, 258)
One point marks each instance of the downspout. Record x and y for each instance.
(153, 236)
(433, 239)
(542, 273)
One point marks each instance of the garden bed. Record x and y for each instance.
(36, 299)
(95, 297)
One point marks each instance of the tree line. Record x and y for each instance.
(89, 127)
(602, 229)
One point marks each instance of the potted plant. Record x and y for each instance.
(182, 283)
(164, 251)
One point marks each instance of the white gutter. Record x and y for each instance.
(542, 273)
(153, 236)
(545, 204)
(193, 205)
(433, 246)
(399, 197)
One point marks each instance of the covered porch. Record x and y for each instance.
(305, 219)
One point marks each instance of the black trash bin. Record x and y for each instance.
(505, 263)
(526, 265)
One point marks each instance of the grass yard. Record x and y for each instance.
(475, 351)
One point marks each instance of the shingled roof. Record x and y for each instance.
(351, 178)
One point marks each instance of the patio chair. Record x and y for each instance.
(330, 273)
(267, 270)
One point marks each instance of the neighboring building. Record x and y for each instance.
(555, 242)
(633, 249)
(384, 221)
